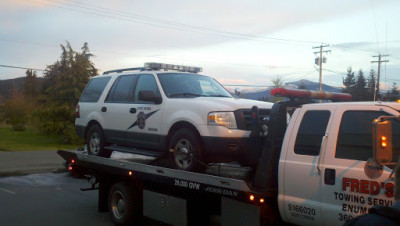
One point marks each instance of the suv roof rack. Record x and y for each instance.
(126, 69)
(158, 66)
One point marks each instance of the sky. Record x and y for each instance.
(236, 42)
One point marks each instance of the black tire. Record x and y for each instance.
(125, 204)
(185, 139)
(95, 142)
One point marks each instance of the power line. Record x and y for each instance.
(26, 68)
(158, 57)
(116, 14)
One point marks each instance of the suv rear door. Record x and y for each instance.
(116, 109)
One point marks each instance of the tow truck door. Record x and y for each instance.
(302, 194)
(347, 190)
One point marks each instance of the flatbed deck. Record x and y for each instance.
(137, 167)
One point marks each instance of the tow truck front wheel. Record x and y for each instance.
(125, 205)
(186, 150)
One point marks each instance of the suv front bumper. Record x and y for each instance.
(244, 150)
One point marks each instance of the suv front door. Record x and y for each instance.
(143, 129)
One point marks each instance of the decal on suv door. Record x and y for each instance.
(141, 119)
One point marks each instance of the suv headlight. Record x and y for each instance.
(226, 119)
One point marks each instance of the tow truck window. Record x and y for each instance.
(311, 131)
(355, 135)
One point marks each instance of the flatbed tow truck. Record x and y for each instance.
(308, 172)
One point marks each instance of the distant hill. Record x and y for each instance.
(266, 93)
(7, 87)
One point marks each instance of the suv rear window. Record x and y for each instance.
(93, 90)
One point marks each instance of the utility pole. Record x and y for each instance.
(379, 61)
(320, 61)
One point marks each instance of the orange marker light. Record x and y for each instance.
(252, 197)
(130, 173)
(261, 200)
(383, 139)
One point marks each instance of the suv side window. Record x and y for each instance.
(146, 82)
(312, 129)
(121, 91)
(355, 135)
(93, 90)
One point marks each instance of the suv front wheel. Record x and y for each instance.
(95, 142)
(186, 150)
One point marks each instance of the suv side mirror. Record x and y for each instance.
(148, 95)
(382, 140)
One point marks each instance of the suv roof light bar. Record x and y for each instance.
(310, 94)
(125, 69)
(160, 66)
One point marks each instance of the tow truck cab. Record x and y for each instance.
(327, 174)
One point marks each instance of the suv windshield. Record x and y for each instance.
(180, 85)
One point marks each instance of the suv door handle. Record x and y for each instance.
(330, 176)
(103, 109)
(132, 110)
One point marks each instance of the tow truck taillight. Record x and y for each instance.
(310, 94)
(77, 113)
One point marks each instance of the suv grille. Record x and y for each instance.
(243, 117)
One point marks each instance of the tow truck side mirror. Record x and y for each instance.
(382, 141)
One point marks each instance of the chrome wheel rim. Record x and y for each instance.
(118, 205)
(183, 153)
(94, 143)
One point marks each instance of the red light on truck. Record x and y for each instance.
(130, 173)
(70, 168)
(73, 161)
(252, 198)
(77, 111)
(310, 94)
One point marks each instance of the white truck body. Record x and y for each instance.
(321, 177)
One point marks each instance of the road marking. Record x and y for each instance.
(2, 189)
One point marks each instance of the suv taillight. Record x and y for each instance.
(77, 114)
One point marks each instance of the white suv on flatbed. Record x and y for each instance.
(166, 109)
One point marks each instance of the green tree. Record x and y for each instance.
(349, 82)
(393, 94)
(360, 92)
(30, 87)
(277, 83)
(371, 83)
(15, 111)
(63, 85)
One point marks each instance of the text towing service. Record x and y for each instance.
(319, 164)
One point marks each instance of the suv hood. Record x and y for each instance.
(228, 104)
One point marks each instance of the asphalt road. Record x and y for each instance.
(48, 199)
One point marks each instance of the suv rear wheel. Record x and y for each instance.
(186, 150)
(95, 142)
